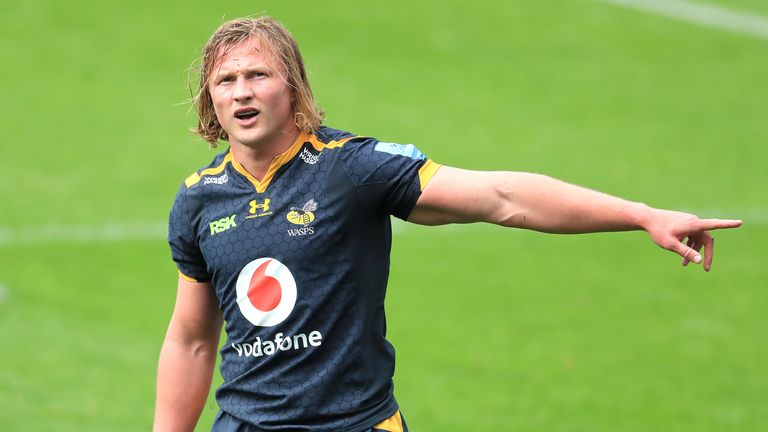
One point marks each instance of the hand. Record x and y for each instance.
(669, 228)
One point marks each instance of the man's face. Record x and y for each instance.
(251, 100)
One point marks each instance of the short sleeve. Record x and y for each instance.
(389, 177)
(183, 241)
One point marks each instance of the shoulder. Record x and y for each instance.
(328, 135)
(191, 191)
(352, 145)
(215, 167)
(337, 141)
(367, 160)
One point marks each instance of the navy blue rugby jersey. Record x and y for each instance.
(299, 262)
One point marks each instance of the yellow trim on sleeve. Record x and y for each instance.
(187, 278)
(392, 424)
(427, 171)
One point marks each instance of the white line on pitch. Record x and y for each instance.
(107, 232)
(703, 14)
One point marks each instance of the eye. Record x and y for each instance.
(257, 74)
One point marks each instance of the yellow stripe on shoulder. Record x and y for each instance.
(319, 145)
(192, 180)
(195, 177)
(427, 171)
(341, 142)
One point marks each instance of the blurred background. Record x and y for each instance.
(657, 101)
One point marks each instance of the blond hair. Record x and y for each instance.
(280, 44)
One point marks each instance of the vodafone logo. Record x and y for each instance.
(266, 292)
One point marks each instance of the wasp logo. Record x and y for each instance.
(258, 210)
(222, 224)
(303, 216)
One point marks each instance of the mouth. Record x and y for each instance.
(246, 113)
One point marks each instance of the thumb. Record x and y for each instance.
(686, 252)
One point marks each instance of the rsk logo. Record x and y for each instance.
(266, 292)
(222, 224)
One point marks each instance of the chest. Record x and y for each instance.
(237, 229)
(300, 218)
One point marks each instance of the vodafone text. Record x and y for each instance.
(259, 348)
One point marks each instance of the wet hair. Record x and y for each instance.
(280, 48)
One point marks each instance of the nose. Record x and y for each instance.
(243, 90)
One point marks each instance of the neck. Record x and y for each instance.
(256, 158)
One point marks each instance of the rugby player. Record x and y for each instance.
(285, 237)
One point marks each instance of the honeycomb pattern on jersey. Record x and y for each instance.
(340, 270)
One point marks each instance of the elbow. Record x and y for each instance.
(192, 348)
(511, 209)
(194, 342)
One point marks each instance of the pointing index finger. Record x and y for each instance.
(712, 224)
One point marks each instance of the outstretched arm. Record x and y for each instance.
(541, 203)
(187, 358)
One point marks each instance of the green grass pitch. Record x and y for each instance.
(495, 329)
